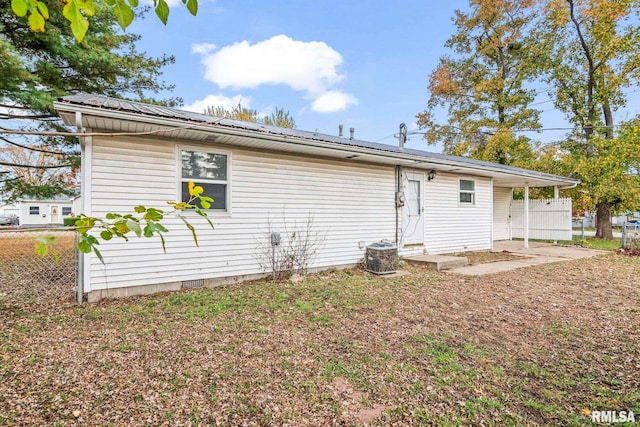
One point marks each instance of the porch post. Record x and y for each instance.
(526, 215)
(556, 196)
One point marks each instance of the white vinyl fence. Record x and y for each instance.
(549, 219)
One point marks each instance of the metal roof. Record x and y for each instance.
(148, 110)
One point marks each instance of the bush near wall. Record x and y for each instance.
(69, 221)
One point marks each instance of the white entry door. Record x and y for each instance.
(54, 215)
(413, 209)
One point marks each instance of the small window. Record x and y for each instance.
(208, 170)
(467, 192)
(34, 210)
(66, 210)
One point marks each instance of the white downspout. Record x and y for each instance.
(526, 215)
(80, 272)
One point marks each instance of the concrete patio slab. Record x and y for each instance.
(438, 262)
(545, 249)
(537, 253)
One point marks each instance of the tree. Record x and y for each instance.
(37, 68)
(483, 84)
(279, 117)
(77, 12)
(35, 172)
(590, 52)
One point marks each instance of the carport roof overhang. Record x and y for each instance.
(176, 124)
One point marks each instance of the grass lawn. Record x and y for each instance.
(593, 243)
(536, 346)
(589, 242)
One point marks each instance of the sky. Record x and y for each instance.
(362, 64)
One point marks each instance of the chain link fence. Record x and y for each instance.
(26, 277)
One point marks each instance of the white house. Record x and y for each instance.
(356, 191)
(41, 212)
(44, 212)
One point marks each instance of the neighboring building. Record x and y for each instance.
(34, 213)
(10, 209)
(357, 192)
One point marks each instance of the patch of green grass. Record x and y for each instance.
(334, 369)
(593, 243)
(548, 409)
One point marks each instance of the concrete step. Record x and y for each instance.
(438, 262)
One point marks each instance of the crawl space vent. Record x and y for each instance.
(192, 284)
(382, 258)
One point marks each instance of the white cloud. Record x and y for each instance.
(306, 66)
(203, 48)
(229, 103)
(332, 101)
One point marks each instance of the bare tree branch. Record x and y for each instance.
(26, 147)
(35, 166)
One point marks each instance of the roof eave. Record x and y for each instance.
(177, 124)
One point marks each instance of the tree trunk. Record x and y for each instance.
(603, 214)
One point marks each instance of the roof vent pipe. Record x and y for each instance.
(351, 132)
(340, 130)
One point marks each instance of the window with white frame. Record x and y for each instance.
(467, 190)
(208, 170)
(66, 210)
(34, 210)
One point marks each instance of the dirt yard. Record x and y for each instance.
(538, 346)
(26, 276)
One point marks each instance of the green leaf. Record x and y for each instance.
(106, 235)
(205, 216)
(190, 227)
(122, 228)
(98, 254)
(192, 5)
(164, 248)
(153, 214)
(123, 13)
(160, 227)
(41, 249)
(140, 209)
(162, 10)
(42, 8)
(84, 245)
(110, 2)
(19, 7)
(133, 3)
(79, 24)
(134, 226)
(149, 229)
(36, 22)
(112, 215)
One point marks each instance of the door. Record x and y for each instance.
(413, 209)
(502, 213)
(54, 214)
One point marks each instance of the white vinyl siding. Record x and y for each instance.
(349, 203)
(501, 213)
(450, 227)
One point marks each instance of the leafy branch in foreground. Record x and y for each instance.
(77, 12)
(144, 222)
